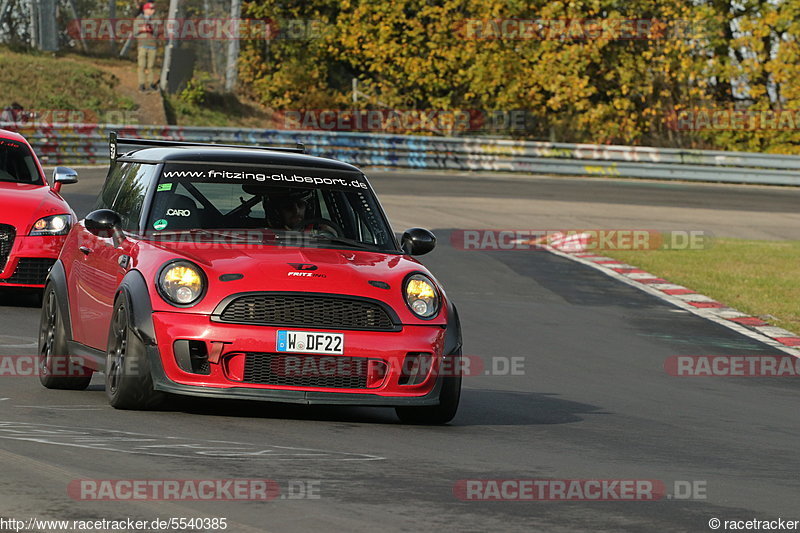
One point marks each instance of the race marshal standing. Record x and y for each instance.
(144, 30)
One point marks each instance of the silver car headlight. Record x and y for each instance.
(52, 225)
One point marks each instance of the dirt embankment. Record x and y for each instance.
(149, 104)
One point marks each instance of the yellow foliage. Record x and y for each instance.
(418, 54)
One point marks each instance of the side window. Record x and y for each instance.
(111, 186)
(132, 191)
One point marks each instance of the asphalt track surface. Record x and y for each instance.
(593, 400)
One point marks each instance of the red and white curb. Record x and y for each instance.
(680, 296)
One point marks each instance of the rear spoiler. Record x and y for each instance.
(114, 142)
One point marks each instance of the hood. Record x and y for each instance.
(22, 204)
(274, 268)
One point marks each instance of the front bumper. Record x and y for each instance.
(30, 260)
(221, 381)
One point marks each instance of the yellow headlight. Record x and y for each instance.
(421, 296)
(182, 283)
(420, 289)
(182, 275)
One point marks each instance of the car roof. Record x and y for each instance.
(12, 136)
(228, 155)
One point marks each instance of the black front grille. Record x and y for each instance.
(31, 271)
(307, 311)
(7, 234)
(298, 370)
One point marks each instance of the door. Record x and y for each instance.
(107, 260)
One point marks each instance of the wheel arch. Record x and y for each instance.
(452, 336)
(57, 278)
(134, 289)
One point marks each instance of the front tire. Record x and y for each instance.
(57, 370)
(449, 397)
(129, 384)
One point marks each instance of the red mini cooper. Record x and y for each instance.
(34, 218)
(250, 273)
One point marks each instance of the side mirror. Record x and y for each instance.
(417, 241)
(63, 175)
(103, 223)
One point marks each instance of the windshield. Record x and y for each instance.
(275, 205)
(17, 163)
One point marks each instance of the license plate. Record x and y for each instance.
(310, 342)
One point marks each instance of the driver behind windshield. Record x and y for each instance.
(293, 209)
(287, 209)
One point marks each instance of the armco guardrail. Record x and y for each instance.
(88, 144)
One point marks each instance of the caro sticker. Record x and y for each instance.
(160, 224)
(178, 213)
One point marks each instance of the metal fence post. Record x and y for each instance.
(48, 30)
(34, 18)
(231, 72)
(173, 14)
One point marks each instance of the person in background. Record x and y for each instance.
(12, 113)
(144, 31)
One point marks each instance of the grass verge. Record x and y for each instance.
(761, 278)
(39, 81)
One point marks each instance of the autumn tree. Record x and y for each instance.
(576, 86)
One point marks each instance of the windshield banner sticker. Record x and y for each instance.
(288, 178)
